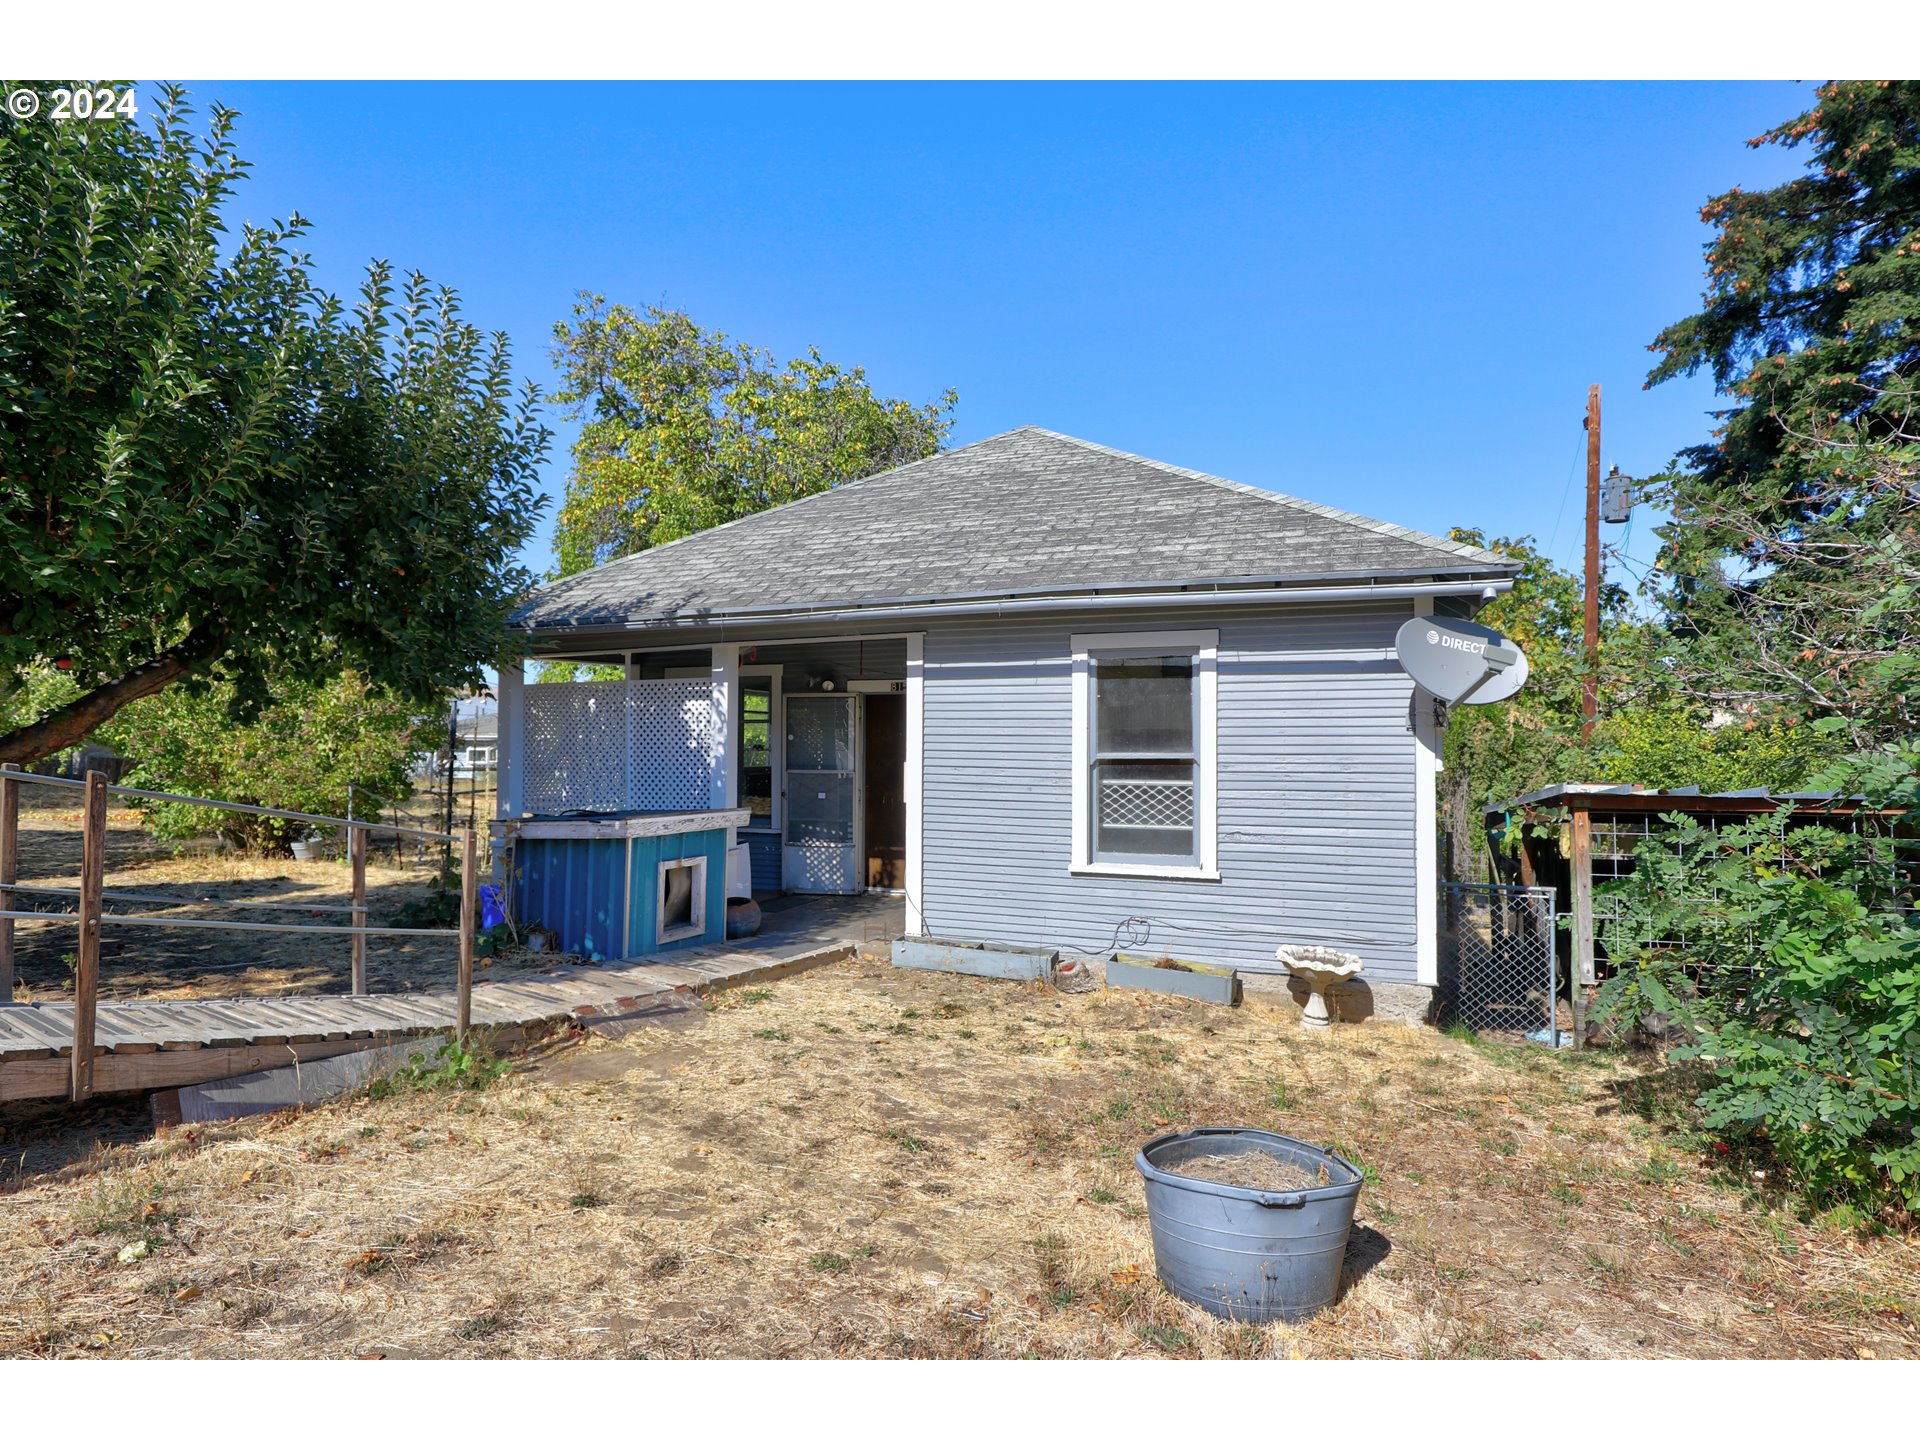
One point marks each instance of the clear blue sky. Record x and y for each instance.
(1385, 297)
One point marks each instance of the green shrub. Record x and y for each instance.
(314, 738)
(1789, 961)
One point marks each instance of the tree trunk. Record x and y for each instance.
(72, 723)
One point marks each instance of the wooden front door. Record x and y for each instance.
(885, 759)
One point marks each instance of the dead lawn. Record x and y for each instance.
(863, 1161)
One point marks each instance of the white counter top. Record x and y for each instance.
(618, 827)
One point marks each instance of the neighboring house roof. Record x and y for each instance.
(1026, 513)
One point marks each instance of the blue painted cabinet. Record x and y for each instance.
(617, 886)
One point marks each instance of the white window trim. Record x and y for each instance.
(776, 735)
(1204, 646)
(1426, 825)
(697, 925)
(915, 784)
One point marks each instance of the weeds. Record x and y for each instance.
(456, 1065)
(1164, 1337)
(121, 1206)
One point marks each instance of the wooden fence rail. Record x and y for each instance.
(93, 896)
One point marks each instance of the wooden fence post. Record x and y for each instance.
(469, 896)
(86, 973)
(357, 856)
(9, 872)
(1581, 859)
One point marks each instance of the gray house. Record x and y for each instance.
(1051, 693)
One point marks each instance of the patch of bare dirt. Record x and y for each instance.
(159, 963)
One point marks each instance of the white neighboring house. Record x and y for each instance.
(476, 752)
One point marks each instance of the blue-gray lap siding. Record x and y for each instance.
(1316, 777)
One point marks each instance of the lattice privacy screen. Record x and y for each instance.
(1146, 804)
(619, 745)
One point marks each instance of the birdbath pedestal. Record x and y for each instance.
(1319, 967)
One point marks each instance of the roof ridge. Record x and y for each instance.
(1314, 507)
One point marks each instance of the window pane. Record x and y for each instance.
(1143, 810)
(820, 808)
(819, 733)
(1143, 706)
(756, 759)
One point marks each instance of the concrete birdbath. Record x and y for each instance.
(1319, 967)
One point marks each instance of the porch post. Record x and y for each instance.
(510, 759)
(916, 766)
(510, 765)
(1426, 828)
(724, 781)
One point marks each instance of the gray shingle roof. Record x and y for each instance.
(1027, 512)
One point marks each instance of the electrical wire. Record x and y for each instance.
(1136, 933)
(1565, 490)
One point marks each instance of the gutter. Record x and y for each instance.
(735, 621)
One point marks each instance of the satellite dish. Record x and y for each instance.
(1460, 662)
(1501, 684)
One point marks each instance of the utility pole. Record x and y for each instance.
(1590, 685)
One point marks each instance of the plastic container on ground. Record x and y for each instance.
(1245, 1254)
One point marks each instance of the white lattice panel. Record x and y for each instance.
(1147, 804)
(674, 746)
(576, 744)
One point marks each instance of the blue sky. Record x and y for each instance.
(1387, 297)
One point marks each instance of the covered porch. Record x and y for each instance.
(813, 739)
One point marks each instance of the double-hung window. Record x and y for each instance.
(1143, 790)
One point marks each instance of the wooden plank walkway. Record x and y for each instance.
(150, 1044)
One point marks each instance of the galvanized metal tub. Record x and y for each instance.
(1244, 1254)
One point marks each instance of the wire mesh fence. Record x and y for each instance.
(1889, 861)
(1499, 965)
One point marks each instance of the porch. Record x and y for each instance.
(812, 738)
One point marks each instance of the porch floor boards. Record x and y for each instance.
(207, 1039)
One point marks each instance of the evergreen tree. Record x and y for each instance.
(1794, 553)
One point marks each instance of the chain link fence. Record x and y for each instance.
(1499, 965)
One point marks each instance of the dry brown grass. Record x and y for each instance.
(863, 1161)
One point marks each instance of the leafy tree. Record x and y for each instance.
(1648, 732)
(1789, 955)
(207, 466)
(299, 752)
(686, 430)
(562, 672)
(1676, 744)
(35, 689)
(1493, 753)
(1794, 550)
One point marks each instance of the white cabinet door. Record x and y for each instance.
(821, 852)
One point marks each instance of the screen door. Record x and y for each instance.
(821, 852)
